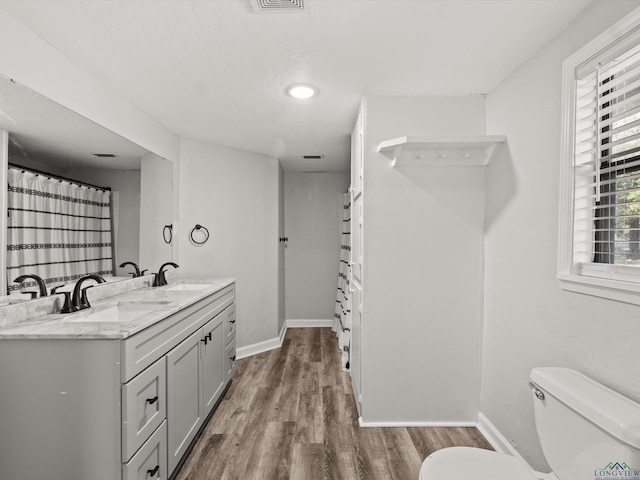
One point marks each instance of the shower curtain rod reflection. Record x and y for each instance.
(58, 177)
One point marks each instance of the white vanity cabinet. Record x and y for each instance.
(114, 408)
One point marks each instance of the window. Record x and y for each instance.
(600, 205)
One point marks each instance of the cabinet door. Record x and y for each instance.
(357, 160)
(357, 245)
(212, 362)
(229, 360)
(229, 323)
(184, 396)
(355, 356)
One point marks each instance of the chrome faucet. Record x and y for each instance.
(42, 287)
(160, 278)
(137, 273)
(79, 300)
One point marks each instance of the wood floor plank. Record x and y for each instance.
(290, 415)
(402, 454)
(309, 425)
(307, 461)
(271, 457)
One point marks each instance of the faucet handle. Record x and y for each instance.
(68, 304)
(84, 301)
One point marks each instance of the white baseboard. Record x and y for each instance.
(273, 343)
(364, 424)
(304, 323)
(498, 441)
(261, 347)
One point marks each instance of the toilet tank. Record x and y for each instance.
(586, 430)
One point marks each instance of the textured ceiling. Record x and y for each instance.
(216, 71)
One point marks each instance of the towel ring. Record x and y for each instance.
(167, 228)
(202, 232)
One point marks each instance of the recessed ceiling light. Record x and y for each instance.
(302, 91)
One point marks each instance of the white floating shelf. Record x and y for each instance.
(441, 151)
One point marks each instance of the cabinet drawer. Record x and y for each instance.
(229, 323)
(144, 407)
(150, 463)
(230, 359)
(144, 348)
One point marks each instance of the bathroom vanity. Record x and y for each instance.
(118, 391)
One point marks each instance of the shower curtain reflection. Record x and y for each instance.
(342, 315)
(56, 229)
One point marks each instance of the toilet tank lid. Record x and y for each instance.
(611, 411)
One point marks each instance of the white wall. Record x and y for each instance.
(234, 194)
(313, 224)
(156, 210)
(423, 254)
(528, 320)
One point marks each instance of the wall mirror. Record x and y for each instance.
(45, 136)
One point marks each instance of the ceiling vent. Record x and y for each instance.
(280, 6)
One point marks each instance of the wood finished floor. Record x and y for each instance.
(290, 414)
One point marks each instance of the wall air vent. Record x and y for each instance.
(280, 6)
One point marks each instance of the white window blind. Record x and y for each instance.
(606, 177)
(599, 207)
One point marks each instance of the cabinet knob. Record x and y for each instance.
(232, 321)
(152, 473)
(153, 400)
(209, 336)
(204, 340)
(233, 359)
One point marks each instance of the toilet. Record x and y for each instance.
(586, 430)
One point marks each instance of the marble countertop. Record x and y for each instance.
(119, 310)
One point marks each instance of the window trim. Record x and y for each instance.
(615, 282)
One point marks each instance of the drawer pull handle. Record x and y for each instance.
(233, 359)
(153, 400)
(151, 473)
(209, 336)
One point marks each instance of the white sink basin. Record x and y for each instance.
(120, 312)
(188, 286)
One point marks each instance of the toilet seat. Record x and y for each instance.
(467, 463)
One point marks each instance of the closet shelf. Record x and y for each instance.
(441, 151)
